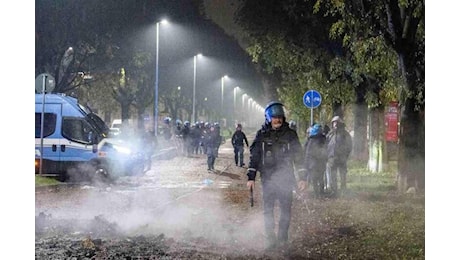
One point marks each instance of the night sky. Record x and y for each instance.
(191, 34)
(187, 34)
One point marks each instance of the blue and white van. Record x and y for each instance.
(75, 145)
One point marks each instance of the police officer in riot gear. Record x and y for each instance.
(187, 140)
(238, 140)
(276, 152)
(211, 143)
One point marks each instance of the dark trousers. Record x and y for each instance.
(239, 154)
(212, 155)
(340, 168)
(271, 193)
(317, 181)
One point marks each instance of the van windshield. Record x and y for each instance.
(97, 122)
(102, 127)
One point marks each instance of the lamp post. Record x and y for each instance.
(156, 77)
(242, 100)
(242, 103)
(194, 85)
(222, 96)
(250, 100)
(235, 89)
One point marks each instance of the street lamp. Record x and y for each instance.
(242, 103)
(194, 85)
(250, 101)
(156, 78)
(222, 96)
(242, 100)
(235, 89)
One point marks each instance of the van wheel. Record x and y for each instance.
(101, 174)
(62, 177)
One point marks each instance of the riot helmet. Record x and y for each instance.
(315, 130)
(273, 109)
(166, 120)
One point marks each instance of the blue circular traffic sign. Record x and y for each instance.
(312, 99)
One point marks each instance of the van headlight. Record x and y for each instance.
(122, 149)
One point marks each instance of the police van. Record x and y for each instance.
(73, 143)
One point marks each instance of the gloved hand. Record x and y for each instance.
(251, 173)
(302, 185)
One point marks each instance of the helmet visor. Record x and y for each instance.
(275, 110)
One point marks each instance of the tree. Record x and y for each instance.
(123, 94)
(67, 44)
(175, 103)
(400, 24)
(289, 38)
(141, 77)
(77, 41)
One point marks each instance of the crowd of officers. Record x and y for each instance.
(286, 167)
(198, 138)
(325, 152)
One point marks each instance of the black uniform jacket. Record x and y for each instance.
(276, 154)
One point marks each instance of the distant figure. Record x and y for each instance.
(339, 147)
(217, 127)
(178, 128)
(195, 135)
(187, 139)
(167, 128)
(203, 128)
(238, 140)
(178, 138)
(316, 159)
(148, 145)
(211, 144)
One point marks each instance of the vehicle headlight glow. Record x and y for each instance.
(122, 149)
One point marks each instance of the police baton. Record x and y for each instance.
(252, 197)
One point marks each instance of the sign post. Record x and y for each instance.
(43, 83)
(312, 99)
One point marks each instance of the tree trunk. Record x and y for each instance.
(108, 117)
(360, 148)
(125, 115)
(411, 160)
(403, 25)
(140, 119)
(337, 109)
(376, 147)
